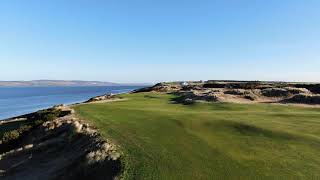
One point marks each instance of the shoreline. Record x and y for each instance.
(22, 116)
(165, 88)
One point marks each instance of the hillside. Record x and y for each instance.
(52, 144)
(241, 92)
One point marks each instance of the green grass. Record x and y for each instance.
(163, 140)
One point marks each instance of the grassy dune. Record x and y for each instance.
(163, 140)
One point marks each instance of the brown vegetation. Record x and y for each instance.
(58, 148)
(239, 92)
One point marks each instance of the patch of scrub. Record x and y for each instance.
(62, 148)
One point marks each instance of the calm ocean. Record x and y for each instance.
(16, 101)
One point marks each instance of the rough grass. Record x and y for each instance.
(11, 126)
(163, 140)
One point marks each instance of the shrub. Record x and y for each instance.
(24, 128)
(275, 92)
(188, 101)
(10, 135)
(38, 122)
(251, 97)
(236, 92)
(214, 85)
(305, 98)
(49, 117)
(293, 90)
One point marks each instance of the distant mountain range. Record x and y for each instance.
(65, 83)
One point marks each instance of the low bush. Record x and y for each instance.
(251, 97)
(275, 92)
(305, 99)
(293, 90)
(10, 136)
(24, 128)
(236, 92)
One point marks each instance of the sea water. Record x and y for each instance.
(15, 101)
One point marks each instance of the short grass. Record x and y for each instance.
(163, 140)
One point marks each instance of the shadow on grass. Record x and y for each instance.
(251, 130)
(181, 99)
(150, 97)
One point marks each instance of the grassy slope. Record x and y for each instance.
(210, 141)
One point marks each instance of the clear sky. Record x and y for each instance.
(160, 40)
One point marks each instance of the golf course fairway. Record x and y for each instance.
(161, 139)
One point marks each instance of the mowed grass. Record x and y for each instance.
(163, 140)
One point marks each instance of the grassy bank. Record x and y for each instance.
(163, 140)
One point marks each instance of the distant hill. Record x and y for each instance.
(64, 83)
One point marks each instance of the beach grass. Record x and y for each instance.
(161, 139)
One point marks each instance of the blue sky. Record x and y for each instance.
(163, 40)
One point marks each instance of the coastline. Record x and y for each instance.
(71, 139)
(96, 148)
(61, 127)
(22, 116)
(221, 91)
